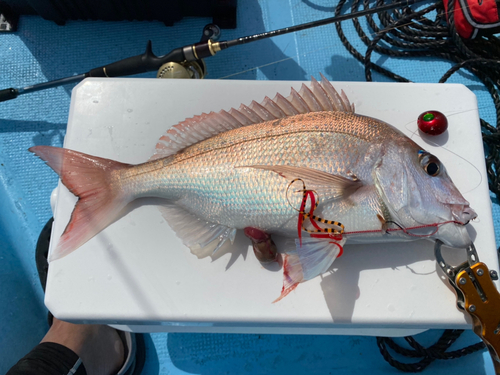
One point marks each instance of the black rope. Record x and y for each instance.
(428, 355)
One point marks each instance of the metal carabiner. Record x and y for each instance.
(451, 272)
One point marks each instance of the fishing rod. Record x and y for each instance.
(208, 46)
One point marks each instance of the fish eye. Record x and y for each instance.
(430, 164)
(432, 169)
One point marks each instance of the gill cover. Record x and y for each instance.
(417, 191)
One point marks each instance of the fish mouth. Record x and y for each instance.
(463, 214)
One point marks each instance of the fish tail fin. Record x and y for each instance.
(99, 199)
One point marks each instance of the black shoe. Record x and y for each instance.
(133, 343)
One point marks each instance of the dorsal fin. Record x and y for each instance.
(320, 97)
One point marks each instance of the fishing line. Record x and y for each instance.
(428, 141)
(329, 46)
(413, 132)
(435, 226)
(258, 67)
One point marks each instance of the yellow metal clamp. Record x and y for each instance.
(476, 294)
(482, 302)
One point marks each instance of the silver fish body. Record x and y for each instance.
(216, 179)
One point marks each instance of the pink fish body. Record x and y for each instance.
(305, 167)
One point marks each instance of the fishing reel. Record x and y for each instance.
(190, 69)
(193, 69)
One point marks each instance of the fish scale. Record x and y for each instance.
(203, 178)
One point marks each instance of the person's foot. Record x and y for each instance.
(99, 346)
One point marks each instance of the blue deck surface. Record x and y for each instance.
(41, 50)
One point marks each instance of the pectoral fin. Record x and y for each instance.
(334, 186)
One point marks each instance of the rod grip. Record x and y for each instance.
(8, 94)
(146, 62)
(126, 67)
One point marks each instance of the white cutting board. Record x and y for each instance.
(138, 275)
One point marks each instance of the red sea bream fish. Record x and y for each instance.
(305, 167)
